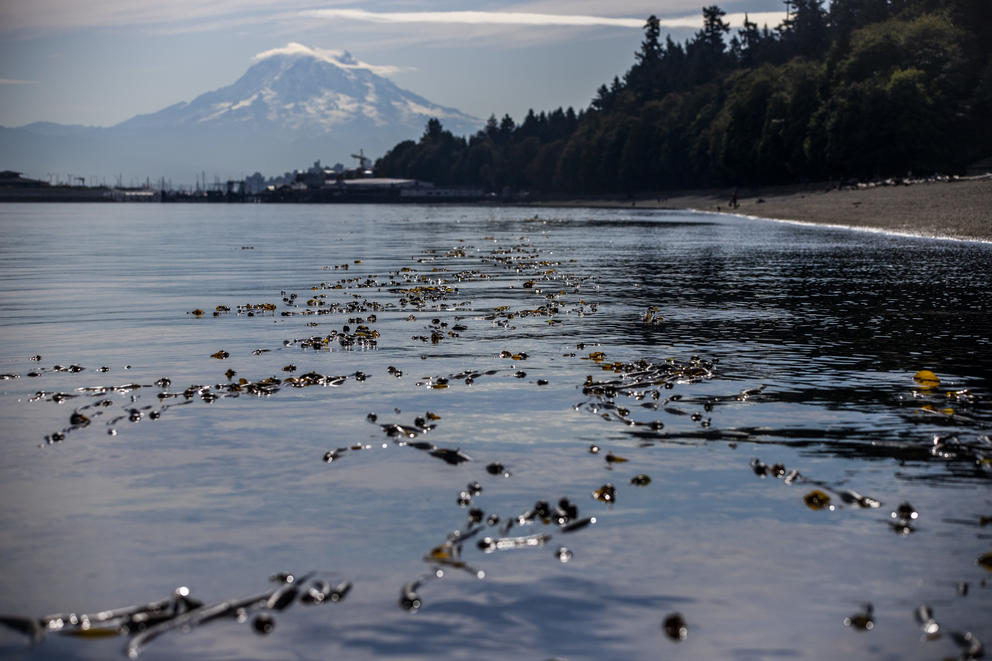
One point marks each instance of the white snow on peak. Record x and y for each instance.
(340, 58)
(314, 92)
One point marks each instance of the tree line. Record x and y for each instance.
(866, 88)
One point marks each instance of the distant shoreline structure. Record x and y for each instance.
(949, 207)
(309, 188)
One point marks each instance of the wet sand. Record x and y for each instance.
(960, 209)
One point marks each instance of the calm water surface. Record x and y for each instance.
(698, 347)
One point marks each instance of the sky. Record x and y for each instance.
(101, 62)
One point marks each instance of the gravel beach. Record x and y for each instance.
(958, 208)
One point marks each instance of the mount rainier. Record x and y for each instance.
(292, 106)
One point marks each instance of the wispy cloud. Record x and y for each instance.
(518, 18)
(474, 18)
(339, 57)
(179, 16)
(769, 18)
(14, 81)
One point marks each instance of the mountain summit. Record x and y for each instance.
(293, 105)
(297, 88)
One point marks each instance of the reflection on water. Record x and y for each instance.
(380, 395)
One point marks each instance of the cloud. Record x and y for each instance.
(339, 57)
(474, 18)
(179, 16)
(517, 18)
(14, 81)
(761, 18)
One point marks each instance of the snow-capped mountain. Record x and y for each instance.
(303, 89)
(292, 106)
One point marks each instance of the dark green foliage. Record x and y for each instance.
(865, 88)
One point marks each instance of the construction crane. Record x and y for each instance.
(364, 162)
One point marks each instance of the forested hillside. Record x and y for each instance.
(865, 88)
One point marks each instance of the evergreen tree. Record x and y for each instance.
(865, 88)
(706, 53)
(804, 30)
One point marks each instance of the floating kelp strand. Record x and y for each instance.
(128, 620)
(205, 393)
(491, 544)
(363, 337)
(675, 627)
(929, 626)
(818, 498)
(396, 429)
(24, 625)
(565, 512)
(320, 590)
(449, 555)
(578, 525)
(614, 459)
(453, 457)
(409, 599)
(468, 377)
(861, 621)
(419, 445)
(970, 645)
(792, 476)
(191, 619)
(541, 511)
(263, 624)
(74, 369)
(496, 468)
(339, 591)
(282, 597)
(950, 447)
(640, 380)
(277, 599)
(605, 494)
(852, 497)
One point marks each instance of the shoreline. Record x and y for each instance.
(958, 208)
(954, 209)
